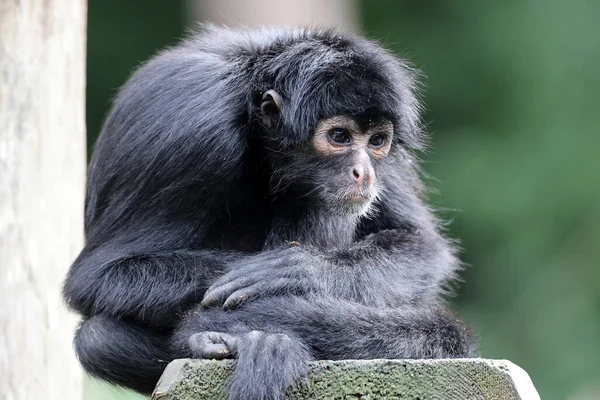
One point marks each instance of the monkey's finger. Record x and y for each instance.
(202, 346)
(211, 345)
(213, 351)
(228, 278)
(225, 279)
(261, 289)
(215, 295)
(241, 296)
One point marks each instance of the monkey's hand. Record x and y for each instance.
(271, 273)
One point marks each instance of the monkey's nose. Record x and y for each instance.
(358, 174)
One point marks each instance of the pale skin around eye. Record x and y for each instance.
(329, 137)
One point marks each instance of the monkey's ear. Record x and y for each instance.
(271, 103)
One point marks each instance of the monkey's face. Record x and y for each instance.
(348, 151)
(337, 168)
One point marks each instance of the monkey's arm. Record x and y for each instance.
(394, 266)
(401, 247)
(388, 268)
(151, 288)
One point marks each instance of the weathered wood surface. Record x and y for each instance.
(42, 172)
(291, 13)
(459, 379)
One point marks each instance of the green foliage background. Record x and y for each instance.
(512, 96)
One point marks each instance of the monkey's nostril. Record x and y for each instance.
(358, 174)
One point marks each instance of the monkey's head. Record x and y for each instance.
(338, 114)
(338, 166)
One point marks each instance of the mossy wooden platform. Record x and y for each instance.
(458, 379)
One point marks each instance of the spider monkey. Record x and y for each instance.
(253, 194)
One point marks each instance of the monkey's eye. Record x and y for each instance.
(340, 136)
(377, 140)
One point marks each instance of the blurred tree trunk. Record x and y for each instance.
(292, 13)
(42, 173)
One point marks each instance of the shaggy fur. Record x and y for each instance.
(188, 189)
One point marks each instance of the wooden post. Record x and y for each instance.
(42, 173)
(473, 378)
(291, 13)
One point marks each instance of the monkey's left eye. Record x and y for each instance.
(340, 136)
(377, 140)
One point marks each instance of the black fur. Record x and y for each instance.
(188, 189)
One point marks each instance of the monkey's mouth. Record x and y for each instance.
(350, 200)
(358, 198)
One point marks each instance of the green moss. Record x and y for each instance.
(364, 379)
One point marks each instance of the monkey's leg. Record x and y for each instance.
(294, 330)
(121, 353)
(339, 329)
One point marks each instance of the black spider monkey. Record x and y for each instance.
(267, 175)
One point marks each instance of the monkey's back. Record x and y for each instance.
(178, 132)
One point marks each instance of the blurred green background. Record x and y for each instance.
(512, 93)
